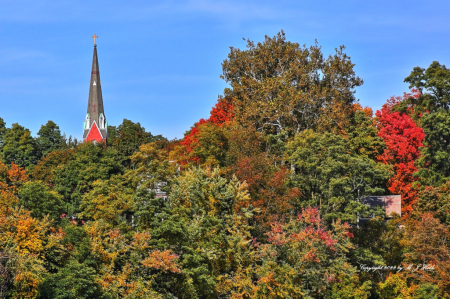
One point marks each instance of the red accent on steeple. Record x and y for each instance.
(94, 134)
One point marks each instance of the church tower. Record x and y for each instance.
(95, 124)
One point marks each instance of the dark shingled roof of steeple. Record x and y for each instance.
(95, 101)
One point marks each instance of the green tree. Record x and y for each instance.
(429, 107)
(278, 86)
(72, 172)
(362, 134)
(74, 281)
(199, 221)
(434, 84)
(50, 138)
(434, 166)
(2, 132)
(110, 199)
(68, 143)
(377, 243)
(332, 177)
(20, 147)
(128, 136)
(211, 145)
(112, 134)
(40, 200)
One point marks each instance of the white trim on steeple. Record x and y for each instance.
(101, 120)
(87, 121)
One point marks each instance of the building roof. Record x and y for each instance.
(94, 133)
(392, 203)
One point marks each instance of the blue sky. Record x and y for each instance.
(160, 62)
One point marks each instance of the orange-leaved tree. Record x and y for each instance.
(206, 142)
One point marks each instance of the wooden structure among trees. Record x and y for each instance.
(392, 204)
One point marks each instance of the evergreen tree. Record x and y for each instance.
(50, 138)
(68, 143)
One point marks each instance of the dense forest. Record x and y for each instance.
(262, 198)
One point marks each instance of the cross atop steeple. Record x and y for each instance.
(95, 37)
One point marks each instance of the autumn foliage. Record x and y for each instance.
(265, 198)
(403, 139)
(221, 115)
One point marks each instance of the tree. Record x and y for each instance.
(109, 199)
(206, 143)
(435, 200)
(223, 112)
(302, 259)
(362, 133)
(20, 147)
(270, 191)
(278, 86)
(403, 139)
(153, 167)
(129, 264)
(45, 170)
(209, 146)
(71, 172)
(434, 168)
(332, 178)
(112, 134)
(74, 281)
(434, 84)
(244, 142)
(11, 179)
(396, 286)
(426, 240)
(377, 243)
(429, 107)
(50, 138)
(184, 151)
(2, 132)
(23, 241)
(128, 136)
(201, 223)
(40, 200)
(69, 143)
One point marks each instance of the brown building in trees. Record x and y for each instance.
(392, 204)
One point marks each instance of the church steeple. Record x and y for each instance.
(95, 124)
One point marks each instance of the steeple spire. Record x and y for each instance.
(95, 124)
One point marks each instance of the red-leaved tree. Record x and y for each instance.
(221, 114)
(403, 139)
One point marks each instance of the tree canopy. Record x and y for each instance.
(265, 197)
